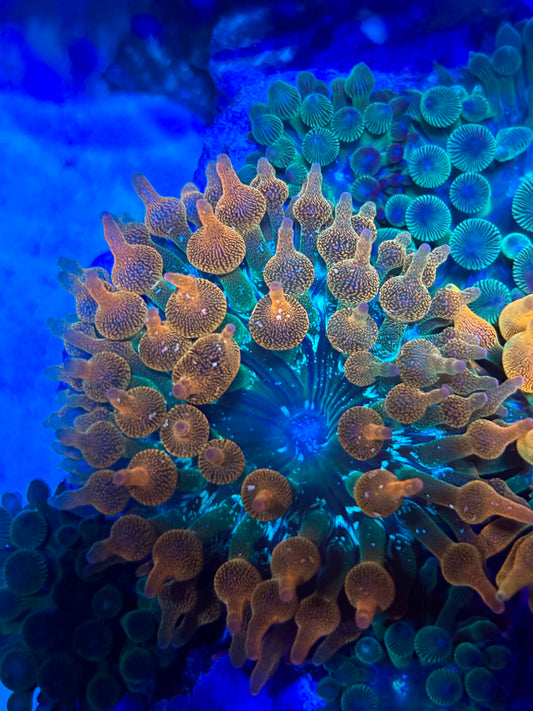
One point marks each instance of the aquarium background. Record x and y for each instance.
(94, 91)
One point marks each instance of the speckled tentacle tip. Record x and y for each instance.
(408, 404)
(515, 317)
(176, 555)
(73, 279)
(469, 323)
(236, 579)
(120, 314)
(101, 445)
(189, 196)
(137, 267)
(380, 493)
(516, 358)
(131, 538)
(362, 368)
(275, 192)
(484, 438)
(79, 342)
(103, 371)
(461, 562)
(139, 411)
(516, 571)
(267, 609)
(420, 363)
(165, 217)
(352, 329)
(242, 207)
(339, 241)
(437, 256)
(99, 492)
(355, 281)
(266, 494)
(392, 254)
(161, 346)
(312, 211)
(218, 249)
(292, 269)
(278, 322)
(185, 431)
(364, 219)
(196, 307)
(448, 301)
(319, 614)
(150, 478)
(406, 298)
(362, 432)
(208, 369)
(368, 585)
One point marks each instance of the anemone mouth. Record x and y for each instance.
(309, 432)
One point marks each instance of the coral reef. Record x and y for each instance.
(284, 414)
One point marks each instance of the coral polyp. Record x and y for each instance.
(281, 414)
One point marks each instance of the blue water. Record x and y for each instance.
(76, 122)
